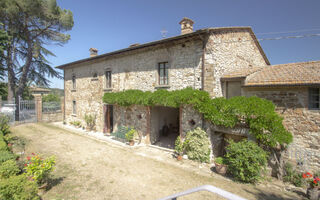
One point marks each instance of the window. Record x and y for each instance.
(108, 79)
(74, 82)
(233, 89)
(163, 73)
(74, 107)
(314, 94)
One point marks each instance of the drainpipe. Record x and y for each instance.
(204, 40)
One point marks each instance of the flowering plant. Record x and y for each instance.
(313, 180)
(39, 169)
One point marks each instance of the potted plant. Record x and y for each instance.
(130, 136)
(179, 148)
(220, 165)
(313, 191)
(90, 121)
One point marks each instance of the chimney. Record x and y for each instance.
(93, 52)
(186, 25)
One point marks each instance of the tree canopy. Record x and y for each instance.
(32, 25)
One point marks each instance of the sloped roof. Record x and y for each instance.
(242, 73)
(188, 36)
(302, 73)
(39, 89)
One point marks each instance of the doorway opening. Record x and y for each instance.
(164, 126)
(108, 119)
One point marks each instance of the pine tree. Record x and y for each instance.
(31, 25)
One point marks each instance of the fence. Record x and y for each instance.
(8, 108)
(33, 110)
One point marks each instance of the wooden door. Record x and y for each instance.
(108, 118)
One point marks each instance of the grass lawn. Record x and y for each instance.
(90, 169)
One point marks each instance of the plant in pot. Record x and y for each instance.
(313, 191)
(179, 148)
(130, 136)
(90, 121)
(220, 165)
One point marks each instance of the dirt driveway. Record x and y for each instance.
(90, 169)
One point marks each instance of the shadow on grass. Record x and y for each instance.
(53, 182)
(265, 194)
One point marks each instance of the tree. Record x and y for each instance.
(32, 25)
(51, 98)
(3, 43)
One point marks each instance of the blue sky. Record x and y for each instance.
(112, 25)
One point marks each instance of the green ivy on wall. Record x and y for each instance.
(255, 113)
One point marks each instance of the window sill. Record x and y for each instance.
(73, 90)
(107, 89)
(162, 86)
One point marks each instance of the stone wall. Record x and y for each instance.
(189, 119)
(133, 116)
(304, 124)
(228, 51)
(135, 70)
(52, 116)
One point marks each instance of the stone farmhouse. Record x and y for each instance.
(226, 61)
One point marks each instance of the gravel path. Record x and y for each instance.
(91, 169)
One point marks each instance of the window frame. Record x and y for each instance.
(313, 92)
(74, 107)
(165, 76)
(74, 82)
(108, 79)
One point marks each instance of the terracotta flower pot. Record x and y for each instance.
(313, 193)
(221, 168)
(131, 142)
(179, 157)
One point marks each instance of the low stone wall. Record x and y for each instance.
(52, 116)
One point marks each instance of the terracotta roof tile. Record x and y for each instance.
(242, 73)
(286, 74)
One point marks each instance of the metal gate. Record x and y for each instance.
(27, 111)
(8, 108)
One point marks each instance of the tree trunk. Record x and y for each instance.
(279, 162)
(11, 75)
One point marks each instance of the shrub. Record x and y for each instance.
(18, 188)
(10, 138)
(220, 160)
(4, 125)
(9, 168)
(51, 98)
(292, 176)
(6, 155)
(197, 145)
(3, 145)
(131, 134)
(179, 147)
(76, 123)
(90, 121)
(39, 169)
(245, 160)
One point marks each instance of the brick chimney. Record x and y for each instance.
(186, 25)
(93, 52)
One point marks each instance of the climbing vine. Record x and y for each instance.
(257, 114)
